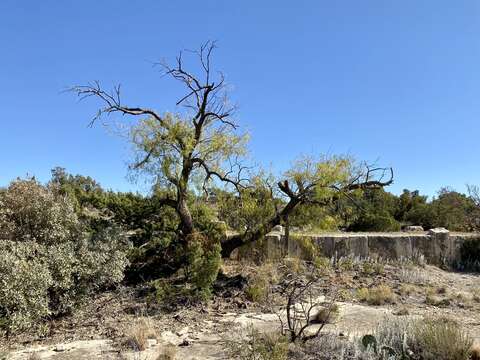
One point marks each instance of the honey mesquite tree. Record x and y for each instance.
(202, 144)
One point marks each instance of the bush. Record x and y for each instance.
(204, 251)
(375, 222)
(47, 260)
(203, 263)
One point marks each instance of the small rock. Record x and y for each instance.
(185, 342)
(277, 228)
(412, 228)
(151, 342)
(183, 331)
(60, 348)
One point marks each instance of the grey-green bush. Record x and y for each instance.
(48, 262)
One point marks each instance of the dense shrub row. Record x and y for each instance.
(383, 211)
(48, 259)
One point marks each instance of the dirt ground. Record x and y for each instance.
(100, 329)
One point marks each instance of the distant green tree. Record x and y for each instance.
(453, 210)
(407, 202)
(375, 212)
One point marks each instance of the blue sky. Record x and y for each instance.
(392, 81)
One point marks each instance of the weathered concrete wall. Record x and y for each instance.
(437, 247)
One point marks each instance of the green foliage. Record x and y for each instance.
(313, 218)
(48, 261)
(381, 211)
(375, 222)
(253, 206)
(452, 210)
(198, 258)
(203, 263)
(143, 217)
(160, 148)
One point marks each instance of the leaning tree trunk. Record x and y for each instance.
(259, 231)
(186, 220)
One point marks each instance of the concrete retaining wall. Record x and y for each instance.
(437, 247)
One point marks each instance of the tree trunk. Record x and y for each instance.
(259, 231)
(186, 220)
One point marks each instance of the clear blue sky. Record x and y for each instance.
(396, 81)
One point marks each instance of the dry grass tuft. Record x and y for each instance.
(140, 332)
(441, 339)
(326, 315)
(413, 276)
(378, 295)
(406, 289)
(403, 311)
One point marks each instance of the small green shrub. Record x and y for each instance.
(346, 263)
(203, 263)
(309, 250)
